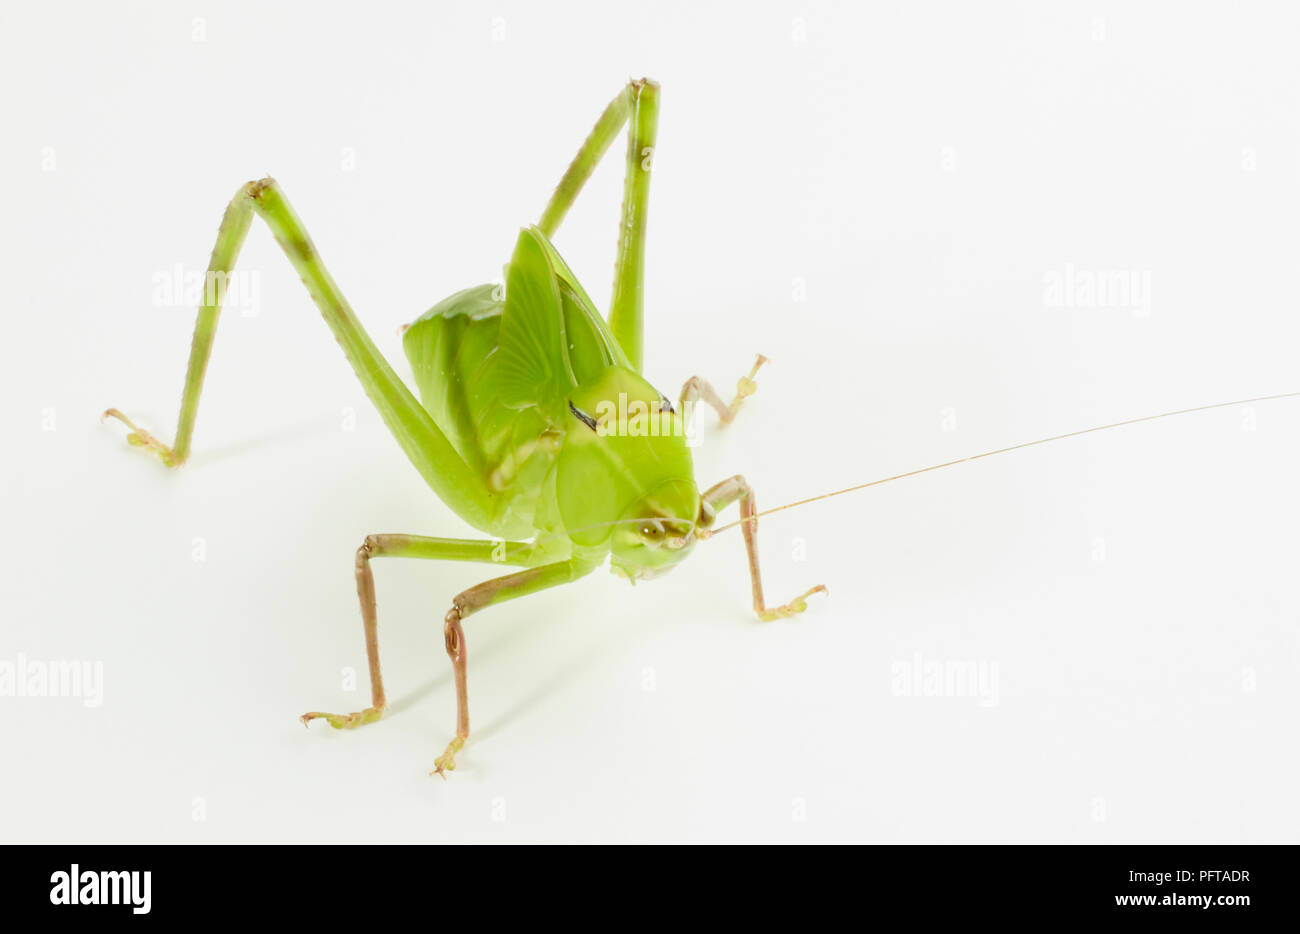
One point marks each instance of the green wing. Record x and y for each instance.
(591, 344)
(552, 336)
(534, 365)
(451, 350)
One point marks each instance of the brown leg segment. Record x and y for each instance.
(697, 388)
(723, 495)
(471, 601)
(405, 546)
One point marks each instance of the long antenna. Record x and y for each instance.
(1014, 447)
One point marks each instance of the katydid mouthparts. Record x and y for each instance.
(534, 422)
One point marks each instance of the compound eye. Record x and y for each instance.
(665, 405)
(651, 529)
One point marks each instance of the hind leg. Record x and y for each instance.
(455, 482)
(637, 105)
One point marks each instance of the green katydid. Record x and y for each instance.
(523, 425)
(517, 432)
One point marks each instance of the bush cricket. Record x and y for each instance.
(534, 422)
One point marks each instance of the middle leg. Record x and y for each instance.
(408, 546)
(471, 601)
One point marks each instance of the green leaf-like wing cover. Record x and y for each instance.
(533, 367)
(591, 344)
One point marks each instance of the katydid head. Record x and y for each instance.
(657, 532)
(624, 478)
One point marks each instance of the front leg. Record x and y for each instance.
(471, 601)
(697, 388)
(719, 497)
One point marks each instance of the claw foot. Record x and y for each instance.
(793, 608)
(447, 761)
(140, 438)
(345, 721)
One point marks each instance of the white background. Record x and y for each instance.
(916, 173)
